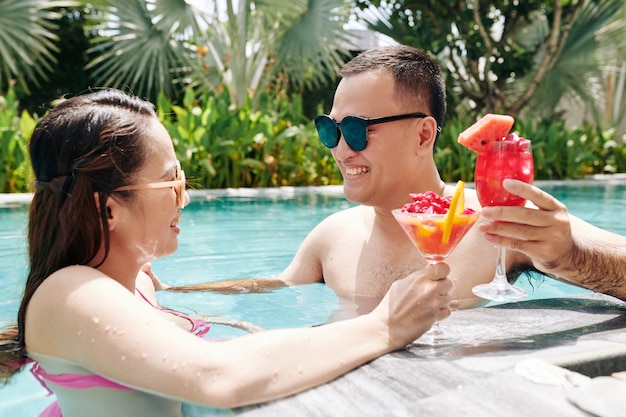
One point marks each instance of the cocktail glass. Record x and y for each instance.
(426, 231)
(502, 160)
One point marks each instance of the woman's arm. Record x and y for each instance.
(82, 316)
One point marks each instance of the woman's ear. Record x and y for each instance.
(427, 134)
(112, 208)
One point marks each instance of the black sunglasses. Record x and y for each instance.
(353, 128)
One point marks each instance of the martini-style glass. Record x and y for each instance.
(427, 232)
(502, 159)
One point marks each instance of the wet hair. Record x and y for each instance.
(418, 79)
(81, 151)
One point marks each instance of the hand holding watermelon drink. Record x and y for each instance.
(500, 156)
(436, 225)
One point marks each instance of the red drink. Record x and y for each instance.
(426, 232)
(433, 230)
(503, 159)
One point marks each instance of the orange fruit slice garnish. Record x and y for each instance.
(457, 206)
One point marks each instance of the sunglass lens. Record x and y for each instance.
(327, 130)
(354, 132)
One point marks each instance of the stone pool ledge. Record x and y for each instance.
(480, 376)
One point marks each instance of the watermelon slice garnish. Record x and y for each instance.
(491, 127)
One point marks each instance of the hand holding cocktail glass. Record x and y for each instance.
(436, 226)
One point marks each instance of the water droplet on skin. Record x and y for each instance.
(79, 333)
(93, 340)
(95, 319)
(144, 356)
(123, 358)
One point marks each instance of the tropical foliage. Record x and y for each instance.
(163, 46)
(220, 145)
(559, 153)
(28, 35)
(512, 56)
(271, 44)
(229, 80)
(15, 130)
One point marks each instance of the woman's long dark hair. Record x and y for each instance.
(87, 146)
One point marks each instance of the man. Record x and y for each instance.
(360, 251)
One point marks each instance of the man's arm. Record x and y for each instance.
(232, 286)
(597, 262)
(306, 265)
(305, 268)
(557, 243)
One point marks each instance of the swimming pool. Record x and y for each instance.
(244, 233)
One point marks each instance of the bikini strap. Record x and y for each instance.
(198, 327)
(74, 381)
(146, 299)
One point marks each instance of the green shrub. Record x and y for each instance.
(16, 175)
(455, 162)
(222, 146)
(559, 153)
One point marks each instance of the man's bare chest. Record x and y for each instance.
(369, 270)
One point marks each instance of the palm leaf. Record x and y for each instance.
(141, 45)
(27, 39)
(314, 47)
(258, 40)
(578, 73)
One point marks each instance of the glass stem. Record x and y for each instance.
(500, 276)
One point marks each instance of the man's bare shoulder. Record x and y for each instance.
(347, 218)
(347, 224)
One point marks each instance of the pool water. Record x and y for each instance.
(238, 234)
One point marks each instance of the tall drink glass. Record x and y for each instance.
(503, 159)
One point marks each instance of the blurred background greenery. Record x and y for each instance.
(237, 82)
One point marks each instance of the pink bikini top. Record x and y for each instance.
(78, 381)
(198, 327)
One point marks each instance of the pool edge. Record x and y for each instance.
(7, 199)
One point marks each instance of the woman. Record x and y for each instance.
(108, 198)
